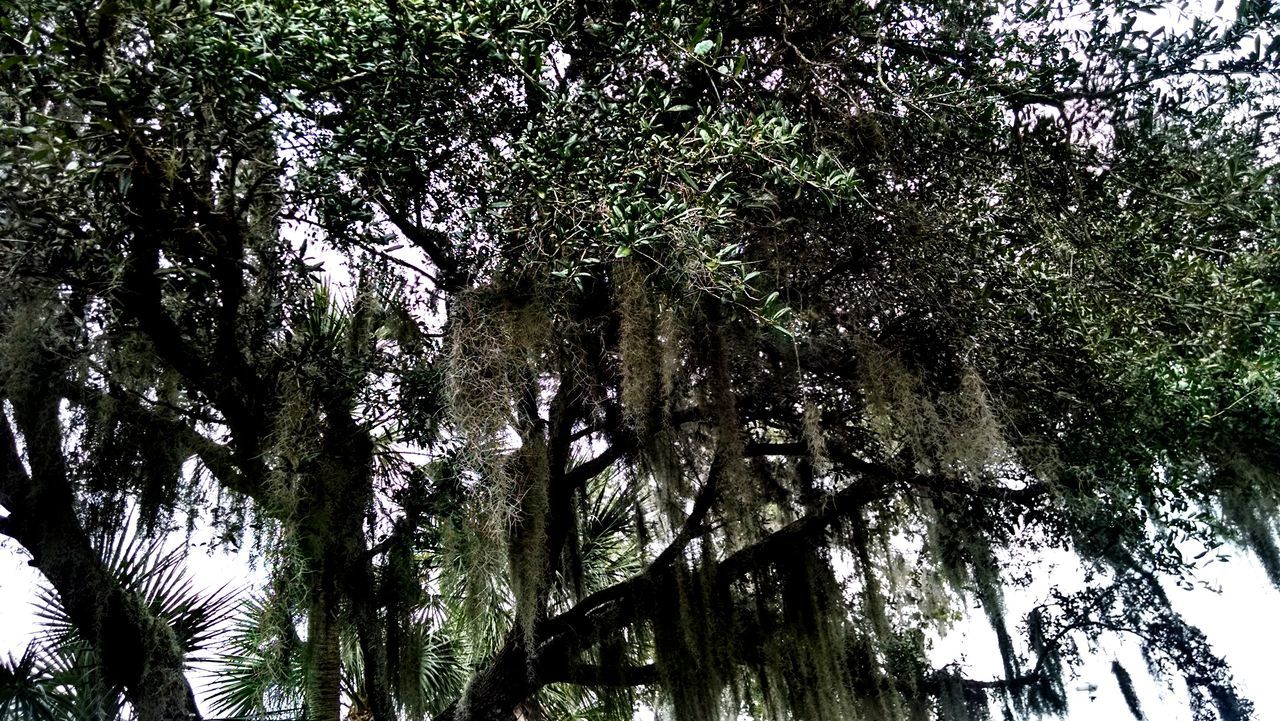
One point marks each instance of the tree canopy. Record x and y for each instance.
(562, 358)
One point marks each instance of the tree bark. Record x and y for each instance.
(324, 670)
(496, 691)
(330, 528)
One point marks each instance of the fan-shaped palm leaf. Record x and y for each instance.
(432, 669)
(154, 574)
(259, 668)
(28, 691)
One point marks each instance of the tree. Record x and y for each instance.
(60, 675)
(704, 354)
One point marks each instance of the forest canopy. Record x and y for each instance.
(564, 359)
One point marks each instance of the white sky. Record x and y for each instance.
(1237, 622)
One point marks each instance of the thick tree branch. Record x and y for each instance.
(596, 675)
(592, 467)
(498, 688)
(927, 484)
(561, 526)
(432, 242)
(15, 478)
(780, 544)
(612, 608)
(693, 525)
(164, 210)
(624, 444)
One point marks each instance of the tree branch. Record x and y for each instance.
(160, 210)
(432, 242)
(624, 603)
(585, 471)
(778, 545)
(245, 477)
(930, 484)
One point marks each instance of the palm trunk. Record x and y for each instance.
(324, 672)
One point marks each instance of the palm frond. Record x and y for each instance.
(146, 569)
(432, 670)
(156, 575)
(471, 597)
(83, 690)
(608, 549)
(258, 669)
(28, 691)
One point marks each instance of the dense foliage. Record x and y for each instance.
(558, 359)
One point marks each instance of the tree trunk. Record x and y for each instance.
(496, 691)
(330, 528)
(324, 670)
(136, 651)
